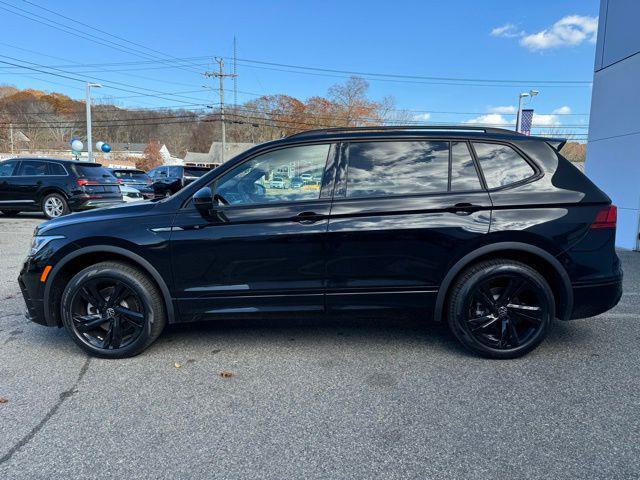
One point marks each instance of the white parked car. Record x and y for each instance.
(130, 194)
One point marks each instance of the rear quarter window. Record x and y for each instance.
(501, 164)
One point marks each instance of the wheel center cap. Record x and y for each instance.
(110, 312)
(502, 312)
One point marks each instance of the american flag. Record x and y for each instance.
(526, 119)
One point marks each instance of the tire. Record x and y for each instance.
(500, 309)
(54, 205)
(10, 213)
(138, 312)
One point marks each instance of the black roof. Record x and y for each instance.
(418, 131)
(65, 161)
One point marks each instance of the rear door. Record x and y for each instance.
(31, 177)
(398, 218)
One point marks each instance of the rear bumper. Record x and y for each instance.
(592, 299)
(85, 202)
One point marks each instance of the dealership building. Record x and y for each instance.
(613, 151)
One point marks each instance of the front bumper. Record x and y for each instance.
(594, 298)
(32, 292)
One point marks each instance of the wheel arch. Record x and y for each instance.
(90, 255)
(545, 263)
(48, 190)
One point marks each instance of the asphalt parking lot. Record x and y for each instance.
(378, 399)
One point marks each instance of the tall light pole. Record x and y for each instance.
(88, 101)
(530, 93)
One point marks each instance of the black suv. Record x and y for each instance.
(55, 187)
(167, 179)
(494, 232)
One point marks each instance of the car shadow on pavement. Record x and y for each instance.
(314, 331)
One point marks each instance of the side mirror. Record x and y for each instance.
(203, 200)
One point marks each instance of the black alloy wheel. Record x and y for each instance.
(112, 310)
(501, 309)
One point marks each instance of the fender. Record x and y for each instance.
(498, 247)
(44, 191)
(150, 269)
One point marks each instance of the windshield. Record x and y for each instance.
(94, 172)
(131, 176)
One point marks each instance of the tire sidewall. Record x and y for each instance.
(458, 322)
(95, 272)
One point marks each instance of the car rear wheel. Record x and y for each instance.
(54, 205)
(501, 309)
(112, 310)
(10, 213)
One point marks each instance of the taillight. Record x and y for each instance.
(120, 181)
(606, 218)
(83, 181)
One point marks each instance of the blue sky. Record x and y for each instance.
(483, 40)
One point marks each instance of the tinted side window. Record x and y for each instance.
(7, 168)
(397, 168)
(270, 177)
(33, 168)
(463, 170)
(501, 164)
(56, 169)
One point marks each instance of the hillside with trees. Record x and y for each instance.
(51, 119)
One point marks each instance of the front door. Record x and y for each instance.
(262, 249)
(402, 210)
(7, 171)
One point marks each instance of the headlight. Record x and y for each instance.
(39, 241)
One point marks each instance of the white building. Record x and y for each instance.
(613, 151)
(214, 156)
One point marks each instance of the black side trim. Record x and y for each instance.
(150, 269)
(498, 247)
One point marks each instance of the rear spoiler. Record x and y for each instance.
(556, 143)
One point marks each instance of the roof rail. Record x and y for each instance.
(407, 128)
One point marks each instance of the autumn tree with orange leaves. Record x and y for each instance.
(152, 157)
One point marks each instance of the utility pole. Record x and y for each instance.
(11, 136)
(221, 76)
(235, 73)
(88, 102)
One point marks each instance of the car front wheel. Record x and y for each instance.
(112, 310)
(501, 308)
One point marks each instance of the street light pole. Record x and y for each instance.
(88, 102)
(530, 93)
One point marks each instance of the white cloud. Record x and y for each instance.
(503, 109)
(491, 119)
(422, 117)
(568, 31)
(564, 110)
(496, 117)
(545, 120)
(508, 30)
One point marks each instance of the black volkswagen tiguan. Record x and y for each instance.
(494, 232)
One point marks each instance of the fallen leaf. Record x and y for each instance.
(177, 365)
(4, 400)
(226, 374)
